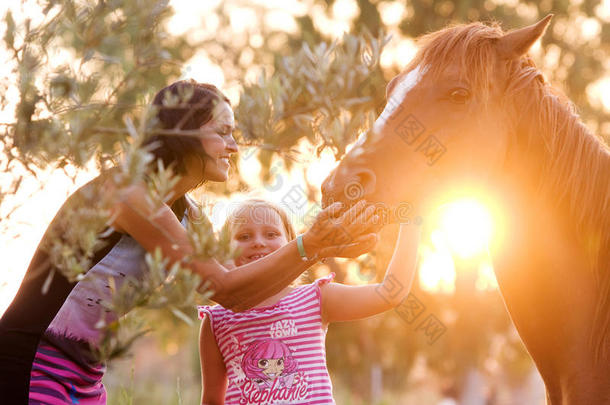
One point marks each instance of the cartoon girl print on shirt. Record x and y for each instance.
(268, 360)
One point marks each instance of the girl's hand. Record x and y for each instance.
(342, 235)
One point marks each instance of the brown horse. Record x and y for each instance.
(472, 106)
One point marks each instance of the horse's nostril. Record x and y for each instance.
(363, 182)
(347, 185)
(367, 178)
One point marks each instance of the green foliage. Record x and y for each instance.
(70, 248)
(121, 55)
(163, 288)
(314, 94)
(205, 242)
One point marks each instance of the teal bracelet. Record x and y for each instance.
(301, 248)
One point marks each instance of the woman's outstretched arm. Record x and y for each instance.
(342, 302)
(242, 288)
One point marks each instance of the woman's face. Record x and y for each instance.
(257, 232)
(218, 142)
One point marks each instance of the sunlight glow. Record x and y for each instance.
(282, 21)
(188, 15)
(201, 69)
(603, 10)
(242, 18)
(345, 9)
(460, 230)
(331, 27)
(319, 169)
(437, 271)
(591, 28)
(599, 93)
(392, 13)
(467, 225)
(398, 52)
(486, 279)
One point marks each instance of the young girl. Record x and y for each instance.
(274, 353)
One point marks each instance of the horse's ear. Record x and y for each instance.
(516, 43)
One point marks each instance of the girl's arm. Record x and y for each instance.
(213, 370)
(342, 302)
(242, 288)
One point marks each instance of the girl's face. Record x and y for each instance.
(272, 368)
(218, 142)
(257, 232)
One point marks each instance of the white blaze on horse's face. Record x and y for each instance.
(358, 149)
(399, 93)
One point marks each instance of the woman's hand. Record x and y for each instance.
(349, 234)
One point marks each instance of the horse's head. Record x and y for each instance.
(444, 120)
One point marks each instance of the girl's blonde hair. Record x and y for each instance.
(255, 207)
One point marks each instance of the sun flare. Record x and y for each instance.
(460, 230)
(467, 225)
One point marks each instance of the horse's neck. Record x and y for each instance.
(548, 286)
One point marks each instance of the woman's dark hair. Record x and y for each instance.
(183, 105)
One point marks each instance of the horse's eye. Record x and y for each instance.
(459, 95)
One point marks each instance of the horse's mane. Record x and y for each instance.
(575, 163)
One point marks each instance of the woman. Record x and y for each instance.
(45, 339)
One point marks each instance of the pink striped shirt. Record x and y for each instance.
(275, 354)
